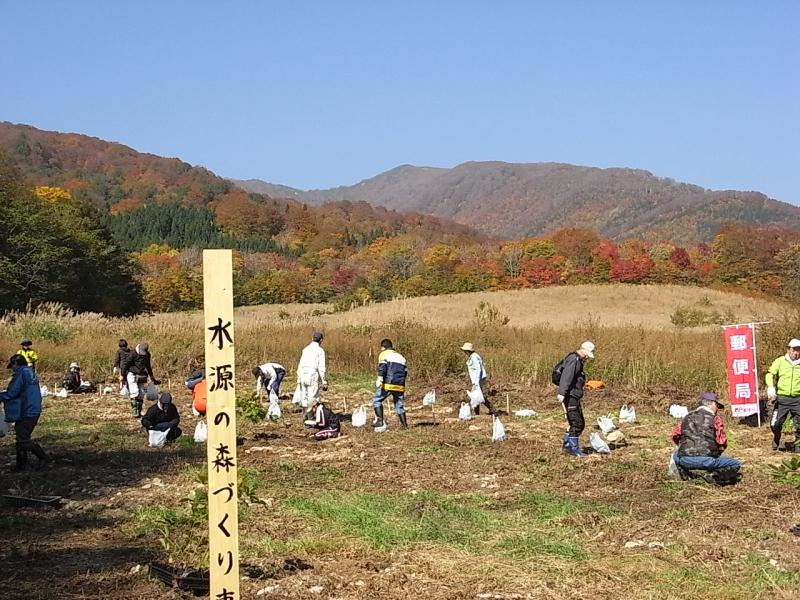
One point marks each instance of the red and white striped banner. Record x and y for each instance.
(740, 351)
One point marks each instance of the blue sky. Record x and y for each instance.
(318, 94)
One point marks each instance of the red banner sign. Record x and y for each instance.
(740, 351)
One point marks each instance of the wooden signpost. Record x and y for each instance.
(223, 513)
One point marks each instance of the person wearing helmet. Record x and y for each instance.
(23, 406)
(31, 356)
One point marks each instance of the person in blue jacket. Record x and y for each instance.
(23, 406)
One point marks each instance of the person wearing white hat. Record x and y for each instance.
(783, 390)
(73, 381)
(570, 391)
(477, 375)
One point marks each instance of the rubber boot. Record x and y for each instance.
(477, 410)
(727, 476)
(22, 460)
(573, 446)
(776, 440)
(379, 423)
(403, 420)
(564, 442)
(40, 454)
(135, 408)
(139, 407)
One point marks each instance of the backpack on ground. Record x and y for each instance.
(559, 368)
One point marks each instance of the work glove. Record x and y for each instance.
(379, 382)
(560, 398)
(771, 393)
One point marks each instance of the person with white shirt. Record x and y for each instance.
(311, 371)
(478, 376)
(268, 377)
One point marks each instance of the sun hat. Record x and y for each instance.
(468, 346)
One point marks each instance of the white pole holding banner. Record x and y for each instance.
(755, 369)
(223, 513)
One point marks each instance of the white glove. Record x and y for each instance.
(561, 398)
(771, 393)
(379, 382)
(310, 422)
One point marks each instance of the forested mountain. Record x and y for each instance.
(508, 200)
(98, 226)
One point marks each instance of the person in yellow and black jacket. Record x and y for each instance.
(31, 356)
(783, 390)
(391, 381)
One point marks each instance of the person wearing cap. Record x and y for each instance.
(783, 390)
(268, 377)
(73, 381)
(311, 371)
(31, 356)
(163, 416)
(570, 392)
(701, 440)
(477, 376)
(135, 370)
(391, 380)
(324, 420)
(123, 352)
(22, 402)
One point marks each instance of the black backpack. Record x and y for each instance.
(557, 370)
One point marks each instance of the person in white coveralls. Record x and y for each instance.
(311, 371)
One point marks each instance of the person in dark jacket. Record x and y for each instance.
(570, 392)
(701, 440)
(123, 352)
(23, 406)
(391, 380)
(324, 420)
(163, 416)
(135, 370)
(74, 383)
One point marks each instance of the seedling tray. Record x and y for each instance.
(32, 502)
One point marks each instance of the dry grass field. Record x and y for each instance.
(436, 511)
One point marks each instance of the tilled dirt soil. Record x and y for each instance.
(662, 532)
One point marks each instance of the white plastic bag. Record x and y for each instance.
(297, 397)
(273, 397)
(465, 412)
(475, 396)
(598, 443)
(201, 433)
(62, 393)
(672, 468)
(429, 398)
(3, 424)
(606, 424)
(525, 412)
(359, 418)
(274, 411)
(108, 390)
(627, 414)
(157, 438)
(498, 431)
(44, 391)
(677, 411)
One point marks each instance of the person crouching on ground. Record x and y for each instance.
(268, 377)
(23, 406)
(570, 392)
(74, 383)
(324, 420)
(163, 416)
(701, 440)
(391, 380)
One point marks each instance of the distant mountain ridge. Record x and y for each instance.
(513, 200)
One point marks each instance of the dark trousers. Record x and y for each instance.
(24, 430)
(575, 416)
(784, 407)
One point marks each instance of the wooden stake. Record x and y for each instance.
(223, 513)
(508, 405)
(345, 404)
